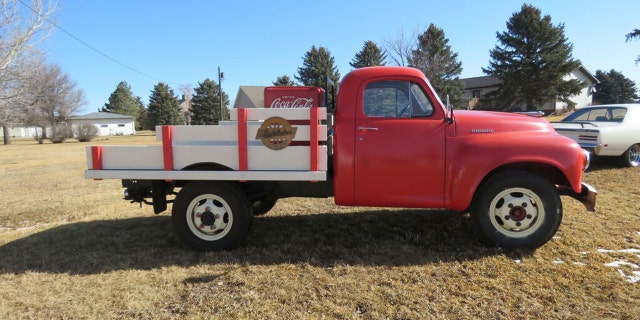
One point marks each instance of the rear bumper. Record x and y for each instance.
(587, 195)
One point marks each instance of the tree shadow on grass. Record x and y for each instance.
(377, 238)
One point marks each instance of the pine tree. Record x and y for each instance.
(284, 80)
(142, 119)
(634, 35)
(318, 64)
(434, 57)
(205, 104)
(370, 55)
(614, 87)
(531, 60)
(122, 101)
(163, 107)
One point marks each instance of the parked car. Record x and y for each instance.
(606, 130)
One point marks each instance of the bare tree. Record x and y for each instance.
(54, 98)
(14, 86)
(23, 24)
(400, 49)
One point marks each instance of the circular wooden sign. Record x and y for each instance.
(276, 133)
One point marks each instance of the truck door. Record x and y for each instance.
(399, 147)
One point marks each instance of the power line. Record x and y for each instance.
(90, 46)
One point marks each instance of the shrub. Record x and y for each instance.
(86, 132)
(61, 134)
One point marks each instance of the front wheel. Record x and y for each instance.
(517, 209)
(631, 157)
(211, 215)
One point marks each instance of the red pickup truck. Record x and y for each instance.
(388, 141)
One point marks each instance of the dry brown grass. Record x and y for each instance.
(70, 248)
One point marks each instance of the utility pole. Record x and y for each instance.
(220, 77)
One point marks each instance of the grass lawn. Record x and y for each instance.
(71, 248)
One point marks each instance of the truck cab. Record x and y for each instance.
(388, 135)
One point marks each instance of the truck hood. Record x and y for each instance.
(480, 122)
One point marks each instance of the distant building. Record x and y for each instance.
(108, 124)
(250, 97)
(185, 107)
(477, 88)
(24, 132)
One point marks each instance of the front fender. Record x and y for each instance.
(472, 158)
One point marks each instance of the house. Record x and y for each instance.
(185, 107)
(22, 131)
(250, 97)
(477, 88)
(109, 124)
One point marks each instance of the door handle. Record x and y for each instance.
(368, 128)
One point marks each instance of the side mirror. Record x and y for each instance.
(330, 95)
(448, 117)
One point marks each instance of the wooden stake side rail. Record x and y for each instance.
(227, 144)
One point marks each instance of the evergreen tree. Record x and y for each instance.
(634, 35)
(434, 57)
(284, 80)
(614, 87)
(142, 119)
(531, 60)
(370, 55)
(163, 107)
(122, 101)
(318, 64)
(205, 104)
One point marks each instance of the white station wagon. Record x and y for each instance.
(606, 130)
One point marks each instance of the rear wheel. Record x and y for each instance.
(631, 157)
(517, 209)
(263, 206)
(211, 215)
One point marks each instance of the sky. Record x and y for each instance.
(102, 42)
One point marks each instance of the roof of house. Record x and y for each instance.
(487, 81)
(101, 116)
(250, 97)
(588, 73)
(480, 82)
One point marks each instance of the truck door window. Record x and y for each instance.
(396, 99)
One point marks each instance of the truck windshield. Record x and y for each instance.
(396, 99)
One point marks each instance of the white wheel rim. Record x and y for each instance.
(517, 212)
(209, 217)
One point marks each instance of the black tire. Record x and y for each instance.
(517, 209)
(631, 157)
(211, 216)
(261, 207)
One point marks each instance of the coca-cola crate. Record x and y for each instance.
(293, 97)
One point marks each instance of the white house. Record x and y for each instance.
(109, 124)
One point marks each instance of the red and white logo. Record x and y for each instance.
(292, 102)
(293, 97)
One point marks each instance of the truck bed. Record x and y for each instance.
(233, 144)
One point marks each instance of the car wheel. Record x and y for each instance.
(517, 209)
(631, 157)
(211, 216)
(261, 207)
